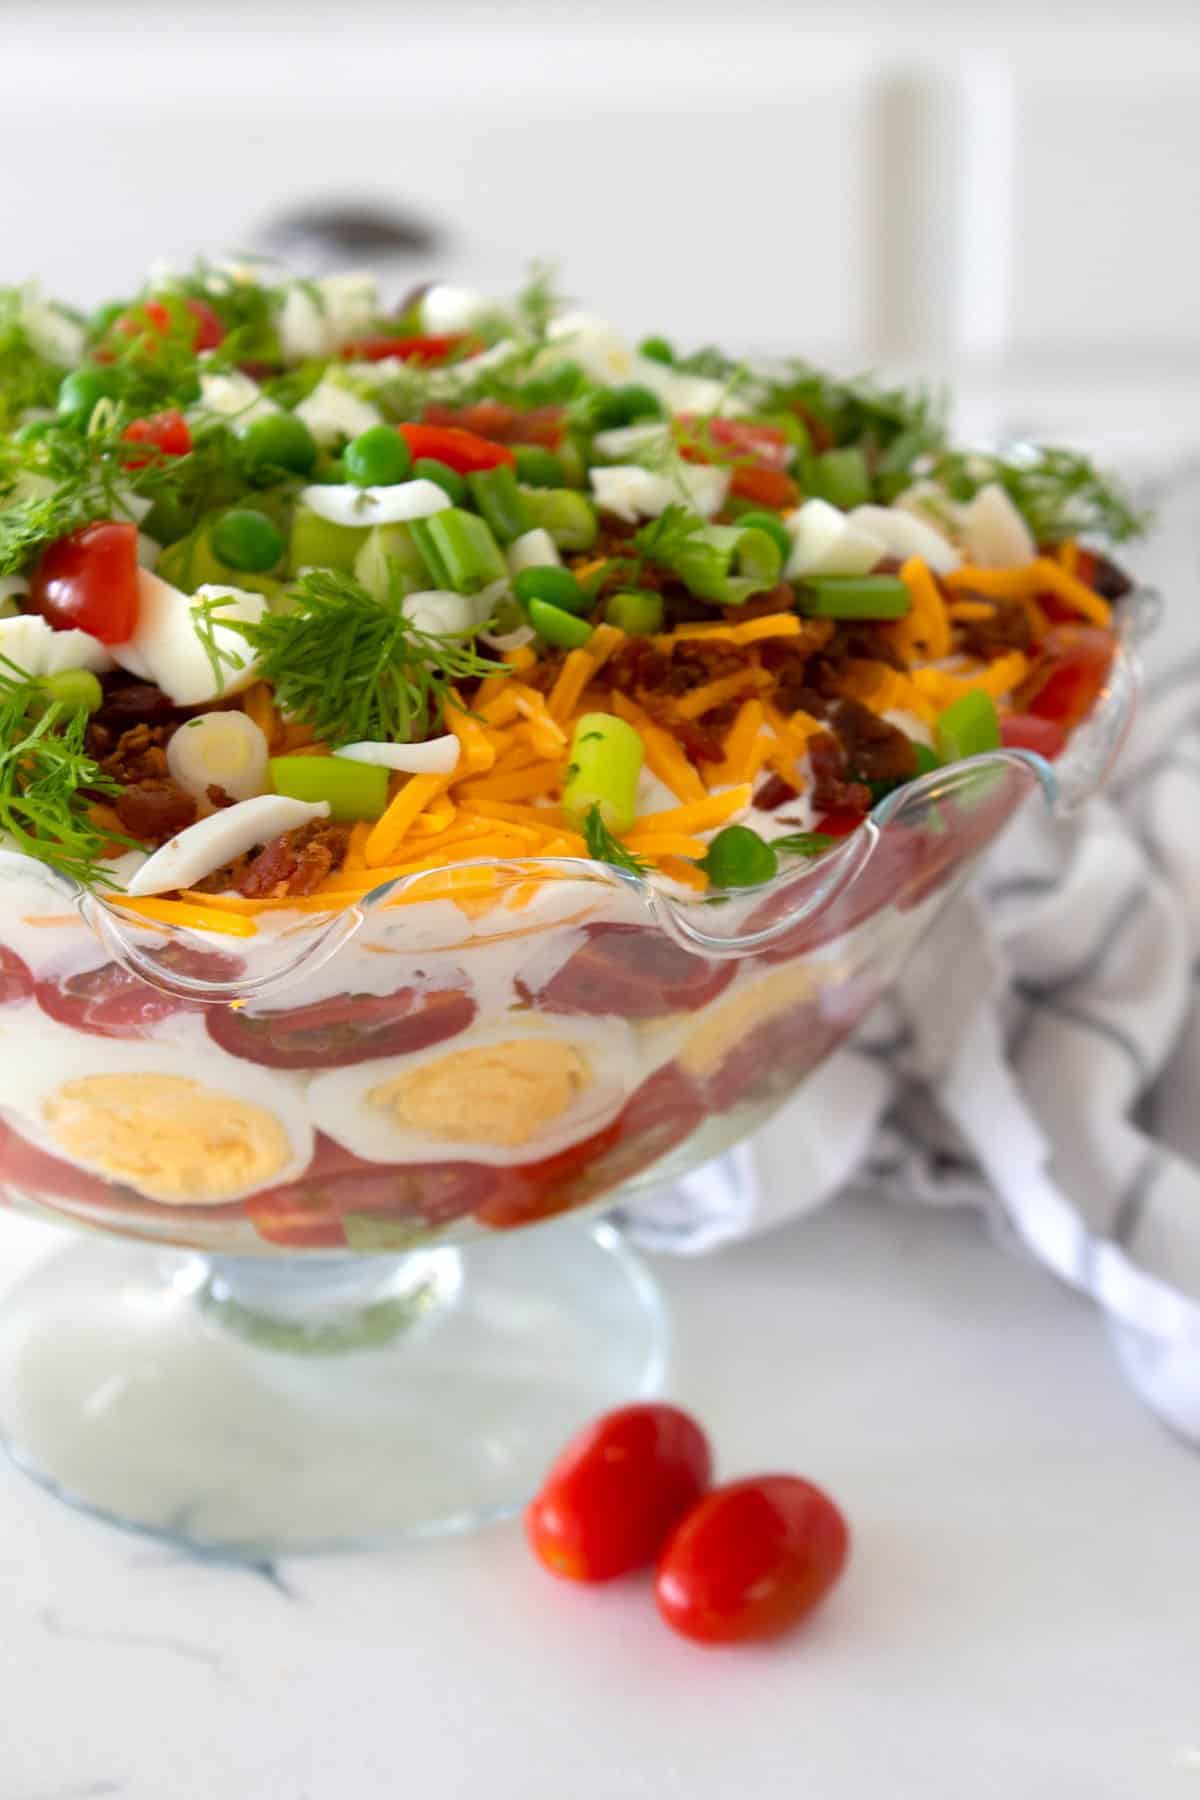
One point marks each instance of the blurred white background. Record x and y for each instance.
(1003, 190)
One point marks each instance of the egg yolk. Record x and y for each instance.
(504, 1094)
(725, 1026)
(167, 1136)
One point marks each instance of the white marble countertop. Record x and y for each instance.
(1019, 1617)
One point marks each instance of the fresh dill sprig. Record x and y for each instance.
(353, 667)
(48, 779)
(27, 379)
(604, 847)
(538, 302)
(1058, 493)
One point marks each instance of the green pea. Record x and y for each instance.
(79, 392)
(556, 586)
(378, 457)
(738, 857)
(635, 612)
(539, 468)
(658, 349)
(554, 626)
(774, 527)
(427, 468)
(245, 539)
(278, 441)
(611, 407)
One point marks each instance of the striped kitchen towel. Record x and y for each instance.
(1054, 1082)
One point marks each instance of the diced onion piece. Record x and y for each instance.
(235, 397)
(683, 393)
(344, 504)
(191, 855)
(439, 611)
(994, 534)
(903, 535)
(630, 440)
(633, 493)
(826, 542)
(532, 550)
(316, 324)
(332, 412)
(437, 756)
(220, 749)
(596, 346)
(446, 310)
(34, 646)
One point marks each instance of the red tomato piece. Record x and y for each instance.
(1071, 674)
(108, 1002)
(529, 1192)
(542, 425)
(766, 444)
(349, 1028)
(155, 316)
(1026, 731)
(629, 970)
(16, 982)
(462, 450)
(751, 1559)
(46, 1177)
(209, 330)
(838, 824)
(165, 431)
(308, 1212)
(613, 1496)
(486, 418)
(766, 487)
(88, 581)
(408, 349)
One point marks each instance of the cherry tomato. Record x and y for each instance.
(751, 1559)
(628, 970)
(773, 1056)
(165, 431)
(88, 581)
(486, 418)
(1071, 675)
(766, 487)
(155, 316)
(16, 982)
(408, 349)
(349, 1028)
(613, 1496)
(665, 1110)
(463, 451)
(765, 443)
(838, 824)
(108, 1002)
(308, 1212)
(209, 330)
(36, 1172)
(1026, 731)
(530, 1192)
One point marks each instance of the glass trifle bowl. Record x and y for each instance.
(385, 1297)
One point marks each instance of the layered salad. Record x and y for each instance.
(492, 635)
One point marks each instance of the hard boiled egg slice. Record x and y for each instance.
(186, 1127)
(828, 542)
(192, 854)
(504, 1094)
(194, 655)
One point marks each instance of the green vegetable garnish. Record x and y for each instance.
(969, 727)
(353, 790)
(722, 563)
(555, 585)
(739, 857)
(853, 597)
(1058, 493)
(603, 846)
(48, 780)
(605, 762)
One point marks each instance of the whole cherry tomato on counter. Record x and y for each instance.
(751, 1559)
(88, 581)
(617, 1490)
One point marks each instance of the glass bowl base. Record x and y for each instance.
(260, 1408)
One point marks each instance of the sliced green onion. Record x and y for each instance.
(570, 518)
(555, 585)
(459, 550)
(427, 468)
(774, 527)
(496, 494)
(77, 689)
(538, 467)
(636, 612)
(839, 476)
(316, 544)
(927, 760)
(554, 626)
(853, 597)
(606, 761)
(390, 553)
(727, 563)
(354, 790)
(968, 727)
(739, 857)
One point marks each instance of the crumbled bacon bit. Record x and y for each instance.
(295, 862)
(1008, 628)
(774, 793)
(153, 810)
(875, 749)
(831, 790)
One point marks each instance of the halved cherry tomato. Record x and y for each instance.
(462, 450)
(486, 418)
(349, 1028)
(1026, 731)
(766, 487)
(165, 431)
(88, 581)
(308, 1212)
(108, 1002)
(209, 330)
(16, 982)
(773, 1056)
(613, 1496)
(408, 349)
(530, 1192)
(629, 970)
(751, 1559)
(838, 824)
(33, 1171)
(155, 316)
(1071, 674)
(765, 443)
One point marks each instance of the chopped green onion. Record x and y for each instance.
(739, 857)
(727, 563)
(77, 689)
(354, 790)
(853, 597)
(968, 727)
(774, 527)
(839, 476)
(927, 760)
(459, 550)
(498, 498)
(554, 626)
(537, 467)
(605, 763)
(555, 585)
(570, 518)
(315, 543)
(390, 552)
(636, 612)
(427, 468)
